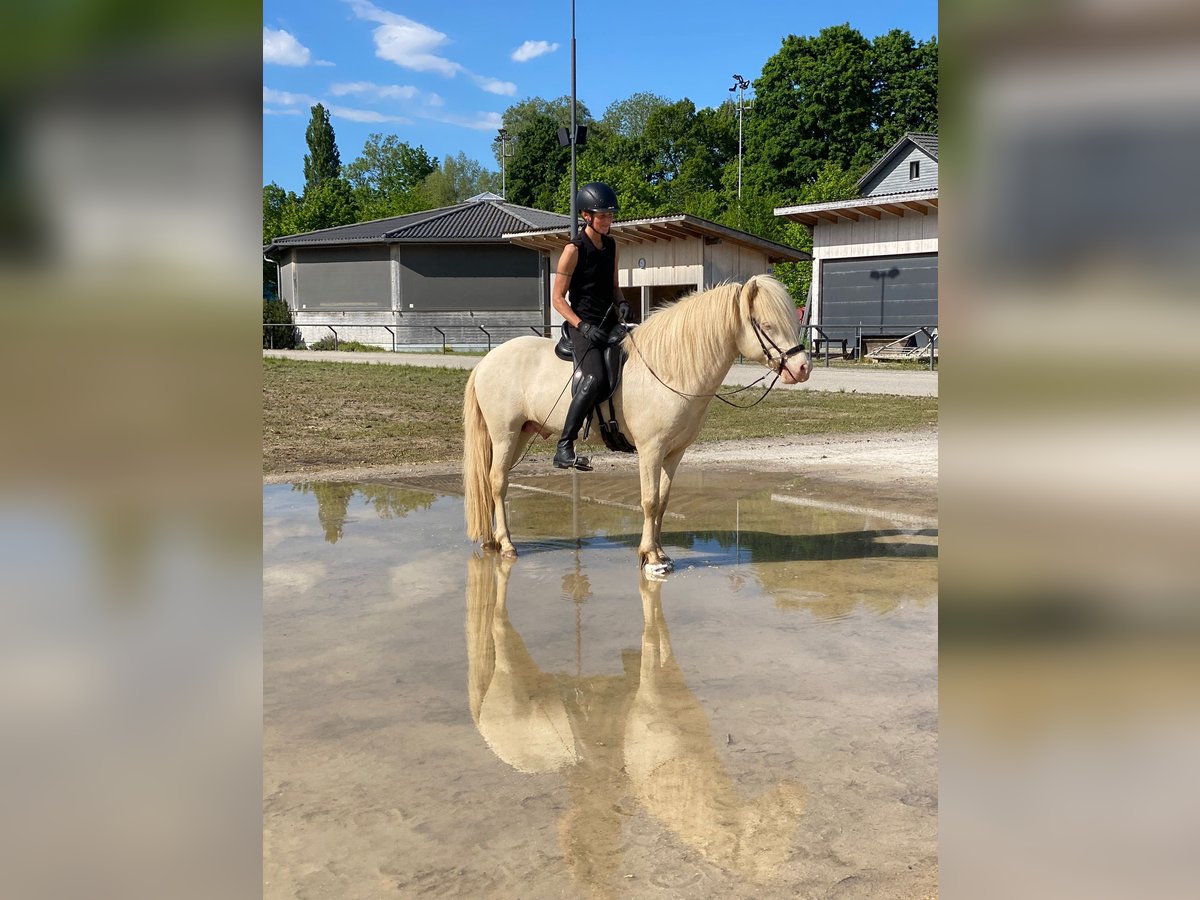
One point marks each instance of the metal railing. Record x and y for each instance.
(448, 333)
(467, 335)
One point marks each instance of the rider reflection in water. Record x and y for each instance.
(588, 269)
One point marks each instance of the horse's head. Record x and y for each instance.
(770, 332)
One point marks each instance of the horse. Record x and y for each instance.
(676, 361)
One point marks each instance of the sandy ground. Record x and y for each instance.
(906, 461)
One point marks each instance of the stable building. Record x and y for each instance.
(426, 278)
(875, 258)
(664, 258)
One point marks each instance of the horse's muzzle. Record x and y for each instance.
(796, 370)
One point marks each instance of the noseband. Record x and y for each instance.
(764, 340)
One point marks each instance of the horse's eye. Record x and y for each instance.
(768, 328)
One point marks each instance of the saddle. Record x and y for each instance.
(614, 362)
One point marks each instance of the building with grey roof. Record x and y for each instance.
(401, 279)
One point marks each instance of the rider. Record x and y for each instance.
(588, 268)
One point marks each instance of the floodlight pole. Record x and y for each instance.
(574, 198)
(503, 138)
(740, 84)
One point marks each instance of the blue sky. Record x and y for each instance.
(441, 75)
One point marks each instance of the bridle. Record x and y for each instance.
(784, 355)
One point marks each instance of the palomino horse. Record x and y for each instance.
(676, 362)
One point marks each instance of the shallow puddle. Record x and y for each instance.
(439, 721)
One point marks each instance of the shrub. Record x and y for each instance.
(277, 335)
(326, 343)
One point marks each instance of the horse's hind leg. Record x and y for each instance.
(505, 453)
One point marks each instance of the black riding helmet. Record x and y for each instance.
(596, 196)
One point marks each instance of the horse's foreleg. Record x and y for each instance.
(504, 454)
(650, 555)
(669, 464)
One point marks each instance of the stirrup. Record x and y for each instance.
(582, 463)
(574, 462)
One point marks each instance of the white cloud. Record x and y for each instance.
(479, 122)
(495, 86)
(282, 49)
(365, 115)
(406, 43)
(375, 91)
(281, 112)
(532, 50)
(411, 45)
(287, 98)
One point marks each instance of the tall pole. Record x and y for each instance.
(740, 84)
(503, 154)
(574, 198)
(741, 106)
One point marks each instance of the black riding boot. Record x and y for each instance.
(581, 408)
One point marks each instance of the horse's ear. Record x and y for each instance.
(748, 292)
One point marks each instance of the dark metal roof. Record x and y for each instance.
(926, 143)
(483, 218)
(638, 231)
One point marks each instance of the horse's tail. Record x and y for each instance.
(480, 508)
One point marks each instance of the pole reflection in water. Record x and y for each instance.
(629, 743)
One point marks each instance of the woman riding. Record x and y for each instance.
(588, 269)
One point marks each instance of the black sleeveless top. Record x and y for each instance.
(591, 288)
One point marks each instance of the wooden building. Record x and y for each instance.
(661, 259)
(875, 258)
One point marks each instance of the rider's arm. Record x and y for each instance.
(562, 280)
(618, 297)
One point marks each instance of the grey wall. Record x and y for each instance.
(895, 179)
(343, 278)
(477, 277)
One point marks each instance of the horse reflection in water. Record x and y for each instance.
(640, 738)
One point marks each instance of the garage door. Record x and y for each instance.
(886, 295)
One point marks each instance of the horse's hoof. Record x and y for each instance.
(657, 571)
(509, 553)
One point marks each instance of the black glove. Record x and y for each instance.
(591, 332)
(623, 311)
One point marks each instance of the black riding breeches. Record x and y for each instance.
(590, 358)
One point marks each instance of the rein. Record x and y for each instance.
(764, 340)
(718, 396)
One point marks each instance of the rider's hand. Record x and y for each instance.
(591, 332)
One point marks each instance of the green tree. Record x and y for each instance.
(628, 117)
(904, 76)
(459, 178)
(538, 164)
(387, 175)
(325, 205)
(812, 105)
(276, 203)
(322, 162)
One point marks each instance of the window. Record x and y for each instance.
(914, 170)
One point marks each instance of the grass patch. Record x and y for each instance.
(323, 415)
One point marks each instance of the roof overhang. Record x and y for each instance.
(916, 203)
(663, 228)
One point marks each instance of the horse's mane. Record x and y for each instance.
(695, 326)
